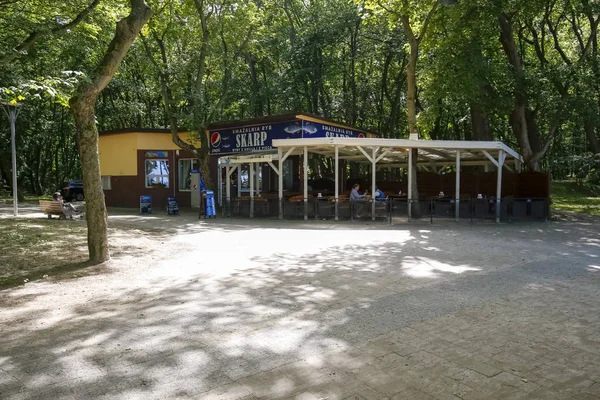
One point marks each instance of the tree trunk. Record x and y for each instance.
(533, 132)
(480, 123)
(518, 121)
(411, 97)
(590, 132)
(518, 117)
(257, 103)
(353, 86)
(411, 102)
(411, 105)
(95, 207)
(83, 106)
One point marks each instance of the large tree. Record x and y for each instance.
(555, 38)
(195, 67)
(414, 17)
(83, 104)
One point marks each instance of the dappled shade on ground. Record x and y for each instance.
(312, 310)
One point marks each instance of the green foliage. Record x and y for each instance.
(344, 59)
(576, 196)
(45, 89)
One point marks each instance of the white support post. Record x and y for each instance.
(373, 184)
(251, 179)
(219, 183)
(305, 162)
(258, 172)
(410, 167)
(337, 181)
(457, 194)
(280, 183)
(228, 171)
(501, 157)
(239, 168)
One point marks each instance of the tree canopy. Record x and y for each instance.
(526, 73)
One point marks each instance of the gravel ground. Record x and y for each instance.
(191, 308)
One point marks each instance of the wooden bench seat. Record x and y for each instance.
(52, 208)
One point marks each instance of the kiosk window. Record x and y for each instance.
(245, 178)
(185, 173)
(106, 184)
(288, 174)
(157, 173)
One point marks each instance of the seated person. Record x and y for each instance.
(68, 209)
(356, 197)
(379, 195)
(354, 193)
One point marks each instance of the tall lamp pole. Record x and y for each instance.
(12, 112)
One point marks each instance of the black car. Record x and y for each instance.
(73, 191)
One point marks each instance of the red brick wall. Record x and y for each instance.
(126, 190)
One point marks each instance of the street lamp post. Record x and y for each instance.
(12, 112)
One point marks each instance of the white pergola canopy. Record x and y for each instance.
(394, 152)
(382, 153)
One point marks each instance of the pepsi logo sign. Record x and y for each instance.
(215, 139)
(361, 135)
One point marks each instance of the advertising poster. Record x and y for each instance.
(260, 137)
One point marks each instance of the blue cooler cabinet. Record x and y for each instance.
(209, 197)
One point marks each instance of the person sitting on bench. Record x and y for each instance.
(354, 194)
(68, 209)
(357, 199)
(379, 195)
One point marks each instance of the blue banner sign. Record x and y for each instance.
(260, 137)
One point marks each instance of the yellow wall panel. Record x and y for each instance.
(118, 155)
(118, 152)
(159, 141)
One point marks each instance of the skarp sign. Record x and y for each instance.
(260, 137)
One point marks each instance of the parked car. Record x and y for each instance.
(73, 190)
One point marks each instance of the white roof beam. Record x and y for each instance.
(445, 156)
(492, 159)
(402, 143)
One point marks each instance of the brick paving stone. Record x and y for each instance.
(233, 391)
(388, 385)
(412, 394)
(593, 389)
(273, 384)
(364, 392)
(321, 323)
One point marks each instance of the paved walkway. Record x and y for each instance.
(240, 310)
